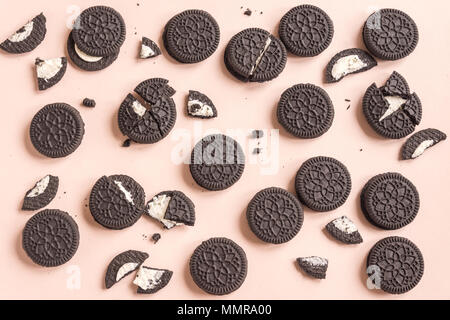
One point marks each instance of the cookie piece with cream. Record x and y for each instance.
(344, 230)
(149, 49)
(348, 62)
(43, 192)
(122, 265)
(200, 106)
(151, 280)
(419, 142)
(314, 266)
(50, 71)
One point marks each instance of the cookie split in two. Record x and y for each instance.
(27, 38)
(344, 230)
(43, 192)
(50, 71)
(149, 49)
(200, 106)
(314, 266)
(348, 62)
(419, 142)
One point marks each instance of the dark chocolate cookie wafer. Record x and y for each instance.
(344, 230)
(86, 62)
(315, 267)
(191, 36)
(398, 265)
(390, 201)
(151, 280)
(50, 71)
(347, 62)
(43, 192)
(390, 34)
(218, 266)
(323, 183)
(26, 38)
(392, 111)
(217, 162)
(255, 55)
(306, 30)
(116, 202)
(122, 265)
(152, 120)
(99, 31)
(50, 238)
(275, 215)
(305, 111)
(57, 130)
(149, 49)
(90, 103)
(416, 145)
(200, 106)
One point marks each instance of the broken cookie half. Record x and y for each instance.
(344, 230)
(122, 265)
(43, 192)
(151, 280)
(314, 266)
(50, 71)
(347, 62)
(26, 38)
(172, 208)
(149, 49)
(200, 106)
(416, 145)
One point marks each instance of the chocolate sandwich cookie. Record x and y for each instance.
(200, 106)
(323, 183)
(150, 119)
(57, 130)
(347, 62)
(50, 71)
(392, 111)
(87, 62)
(50, 238)
(390, 201)
(117, 201)
(26, 38)
(217, 162)
(171, 208)
(191, 36)
(151, 280)
(149, 49)
(344, 230)
(43, 192)
(398, 265)
(275, 215)
(416, 145)
(390, 34)
(218, 266)
(255, 55)
(306, 30)
(122, 265)
(314, 266)
(305, 111)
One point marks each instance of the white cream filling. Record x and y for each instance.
(39, 188)
(204, 110)
(315, 261)
(157, 209)
(20, 36)
(85, 56)
(395, 102)
(146, 52)
(258, 60)
(147, 278)
(124, 269)
(345, 225)
(47, 69)
(138, 108)
(347, 65)
(127, 193)
(422, 147)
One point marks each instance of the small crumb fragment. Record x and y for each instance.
(248, 12)
(347, 100)
(360, 150)
(126, 143)
(156, 237)
(348, 107)
(89, 102)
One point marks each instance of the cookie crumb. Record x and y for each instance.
(248, 12)
(347, 100)
(348, 107)
(126, 143)
(360, 150)
(156, 237)
(89, 102)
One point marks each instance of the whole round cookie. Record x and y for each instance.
(306, 30)
(218, 266)
(275, 215)
(116, 202)
(57, 130)
(323, 183)
(390, 201)
(255, 55)
(390, 34)
(217, 162)
(50, 238)
(398, 264)
(305, 111)
(99, 31)
(91, 63)
(191, 36)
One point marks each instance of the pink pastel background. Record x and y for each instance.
(272, 272)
